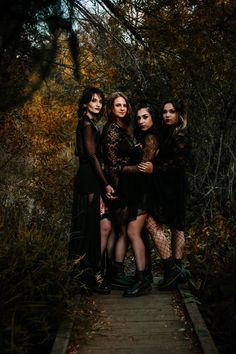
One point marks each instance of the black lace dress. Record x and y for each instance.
(122, 153)
(89, 181)
(169, 178)
(139, 183)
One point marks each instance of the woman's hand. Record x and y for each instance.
(146, 167)
(110, 192)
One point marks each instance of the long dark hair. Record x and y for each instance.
(86, 97)
(169, 132)
(152, 109)
(180, 109)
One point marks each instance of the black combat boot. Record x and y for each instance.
(172, 275)
(101, 286)
(140, 287)
(120, 281)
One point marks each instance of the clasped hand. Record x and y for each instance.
(110, 192)
(146, 167)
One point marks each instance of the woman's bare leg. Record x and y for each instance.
(135, 235)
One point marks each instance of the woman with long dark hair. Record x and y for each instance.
(169, 193)
(90, 183)
(138, 179)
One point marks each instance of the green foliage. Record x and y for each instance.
(36, 286)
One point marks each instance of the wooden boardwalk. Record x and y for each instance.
(150, 324)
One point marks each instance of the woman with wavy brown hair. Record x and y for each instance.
(124, 164)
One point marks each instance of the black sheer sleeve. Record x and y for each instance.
(180, 152)
(90, 147)
(150, 150)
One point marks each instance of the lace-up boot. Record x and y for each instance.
(101, 286)
(172, 275)
(119, 280)
(140, 287)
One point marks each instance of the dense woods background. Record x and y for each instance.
(49, 51)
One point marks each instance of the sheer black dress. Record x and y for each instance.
(169, 178)
(139, 183)
(122, 153)
(89, 181)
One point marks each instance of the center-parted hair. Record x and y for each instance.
(110, 105)
(153, 111)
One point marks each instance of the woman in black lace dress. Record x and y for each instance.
(139, 187)
(169, 192)
(89, 184)
(122, 158)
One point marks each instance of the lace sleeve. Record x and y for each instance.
(150, 150)
(90, 147)
(181, 149)
(113, 163)
(180, 152)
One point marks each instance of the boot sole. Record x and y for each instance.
(143, 292)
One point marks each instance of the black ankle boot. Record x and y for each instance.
(148, 274)
(172, 275)
(100, 285)
(109, 270)
(119, 280)
(141, 286)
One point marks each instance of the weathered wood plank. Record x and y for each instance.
(147, 324)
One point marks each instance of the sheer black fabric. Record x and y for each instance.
(122, 154)
(88, 148)
(139, 183)
(85, 226)
(169, 178)
(118, 150)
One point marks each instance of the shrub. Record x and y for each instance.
(36, 287)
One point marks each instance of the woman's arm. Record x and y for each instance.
(150, 150)
(90, 146)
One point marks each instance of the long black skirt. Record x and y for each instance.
(85, 230)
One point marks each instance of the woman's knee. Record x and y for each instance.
(106, 227)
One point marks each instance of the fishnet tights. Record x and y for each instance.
(177, 243)
(161, 242)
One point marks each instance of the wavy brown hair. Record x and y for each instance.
(110, 105)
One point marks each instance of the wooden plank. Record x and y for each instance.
(205, 339)
(147, 324)
(135, 348)
(159, 329)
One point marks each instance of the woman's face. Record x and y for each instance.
(170, 116)
(144, 119)
(95, 105)
(119, 107)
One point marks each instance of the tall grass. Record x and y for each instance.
(35, 287)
